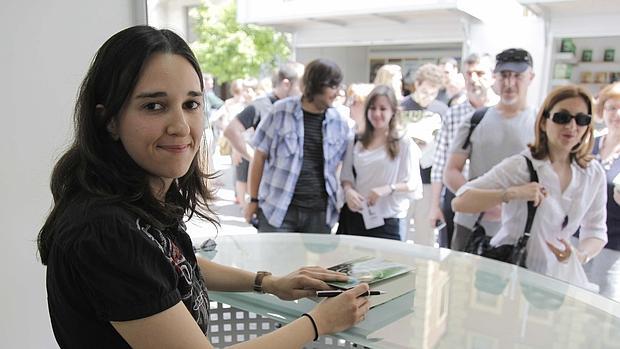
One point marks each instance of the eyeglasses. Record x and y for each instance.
(564, 117)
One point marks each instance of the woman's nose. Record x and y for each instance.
(178, 123)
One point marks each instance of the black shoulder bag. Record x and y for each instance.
(514, 254)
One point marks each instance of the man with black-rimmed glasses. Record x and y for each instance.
(497, 133)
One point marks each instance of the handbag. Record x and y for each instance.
(480, 244)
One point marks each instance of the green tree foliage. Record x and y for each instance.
(230, 50)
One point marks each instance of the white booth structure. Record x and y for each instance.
(362, 34)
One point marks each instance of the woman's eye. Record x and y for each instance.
(153, 106)
(192, 105)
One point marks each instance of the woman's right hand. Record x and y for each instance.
(354, 200)
(532, 191)
(341, 312)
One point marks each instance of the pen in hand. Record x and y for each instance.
(334, 293)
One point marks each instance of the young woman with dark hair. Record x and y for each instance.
(380, 171)
(121, 271)
(570, 194)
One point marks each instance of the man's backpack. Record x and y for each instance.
(475, 120)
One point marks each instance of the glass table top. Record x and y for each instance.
(459, 300)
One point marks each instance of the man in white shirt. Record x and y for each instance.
(505, 130)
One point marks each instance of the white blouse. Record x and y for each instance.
(582, 206)
(375, 168)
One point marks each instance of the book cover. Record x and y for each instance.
(369, 270)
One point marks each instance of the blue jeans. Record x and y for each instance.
(296, 220)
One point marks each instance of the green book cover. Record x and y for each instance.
(369, 270)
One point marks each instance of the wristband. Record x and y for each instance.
(316, 330)
(253, 199)
(392, 188)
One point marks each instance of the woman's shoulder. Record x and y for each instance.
(92, 218)
(406, 142)
(593, 169)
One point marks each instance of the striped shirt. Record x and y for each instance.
(310, 190)
(281, 137)
(450, 123)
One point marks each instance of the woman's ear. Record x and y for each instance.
(111, 126)
(112, 129)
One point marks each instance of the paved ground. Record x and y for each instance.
(229, 213)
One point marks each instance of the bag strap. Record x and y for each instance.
(475, 120)
(356, 139)
(531, 209)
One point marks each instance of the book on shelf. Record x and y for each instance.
(394, 278)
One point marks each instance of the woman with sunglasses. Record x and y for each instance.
(604, 270)
(570, 194)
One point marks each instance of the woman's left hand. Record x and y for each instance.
(378, 192)
(617, 195)
(562, 255)
(301, 283)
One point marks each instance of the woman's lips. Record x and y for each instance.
(174, 148)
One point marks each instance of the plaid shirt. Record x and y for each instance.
(450, 123)
(281, 137)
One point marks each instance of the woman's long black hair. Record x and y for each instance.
(98, 166)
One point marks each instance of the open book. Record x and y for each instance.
(394, 278)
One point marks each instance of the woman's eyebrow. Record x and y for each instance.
(152, 94)
(164, 94)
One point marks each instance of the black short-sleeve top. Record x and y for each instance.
(106, 264)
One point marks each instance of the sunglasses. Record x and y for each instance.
(564, 117)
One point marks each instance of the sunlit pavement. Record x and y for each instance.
(229, 213)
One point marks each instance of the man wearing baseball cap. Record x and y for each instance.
(490, 135)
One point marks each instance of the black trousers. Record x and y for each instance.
(352, 223)
(445, 234)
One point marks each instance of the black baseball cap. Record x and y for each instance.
(513, 59)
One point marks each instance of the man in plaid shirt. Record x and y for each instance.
(299, 146)
(477, 71)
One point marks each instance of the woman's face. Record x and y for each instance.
(564, 137)
(161, 123)
(611, 113)
(380, 113)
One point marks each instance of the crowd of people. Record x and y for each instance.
(371, 164)
(456, 155)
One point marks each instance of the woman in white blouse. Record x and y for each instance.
(380, 171)
(570, 194)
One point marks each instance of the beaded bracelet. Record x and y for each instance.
(316, 330)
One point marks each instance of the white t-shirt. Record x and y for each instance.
(582, 205)
(375, 168)
(493, 140)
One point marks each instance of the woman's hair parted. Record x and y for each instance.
(97, 165)
(582, 152)
(393, 137)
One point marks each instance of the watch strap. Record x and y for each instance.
(258, 281)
